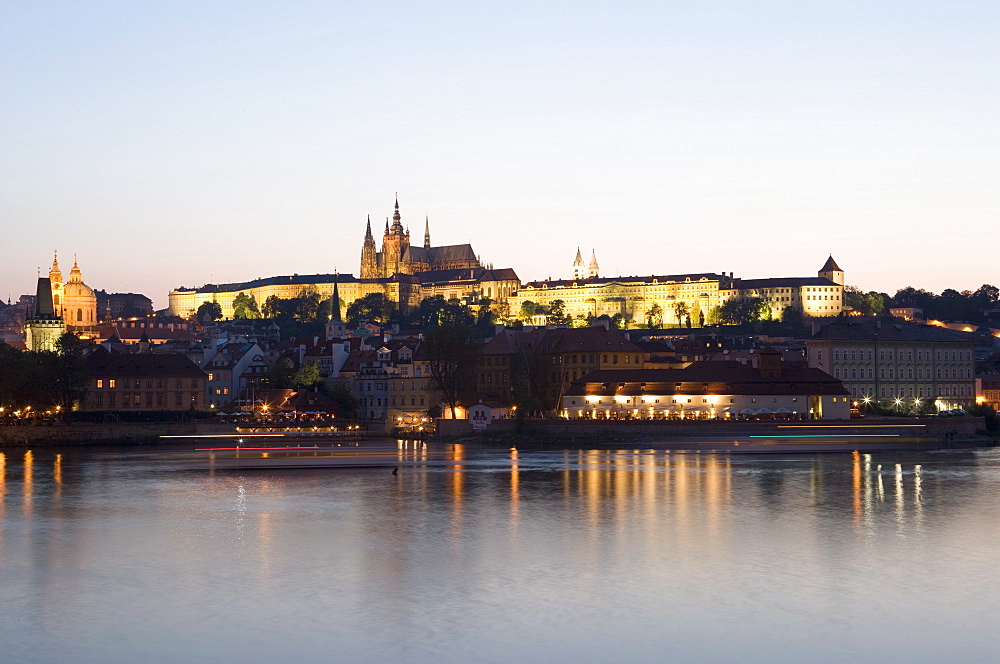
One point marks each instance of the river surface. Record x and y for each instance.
(124, 555)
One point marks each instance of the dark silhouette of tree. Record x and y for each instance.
(374, 307)
(452, 355)
(212, 309)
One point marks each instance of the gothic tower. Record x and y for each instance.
(427, 233)
(579, 272)
(592, 269)
(369, 262)
(394, 245)
(43, 328)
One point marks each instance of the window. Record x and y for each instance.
(111, 400)
(111, 383)
(99, 400)
(100, 383)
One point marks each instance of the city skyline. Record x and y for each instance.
(184, 145)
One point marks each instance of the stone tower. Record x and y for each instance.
(832, 271)
(369, 262)
(44, 327)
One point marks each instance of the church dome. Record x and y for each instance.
(79, 300)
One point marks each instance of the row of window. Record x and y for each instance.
(136, 400)
(866, 354)
(137, 383)
(910, 391)
(901, 373)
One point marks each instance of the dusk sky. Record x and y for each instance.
(177, 144)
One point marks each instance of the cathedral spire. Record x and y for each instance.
(427, 232)
(578, 266)
(592, 269)
(368, 231)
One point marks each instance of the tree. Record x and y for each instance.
(308, 375)
(557, 313)
(744, 311)
(374, 307)
(681, 310)
(527, 310)
(212, 309)
(434, 311)
(452, 355)
(654, 317)
(69, 372)
(245, 307)
(306, 305)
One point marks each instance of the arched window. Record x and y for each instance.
(79, 315)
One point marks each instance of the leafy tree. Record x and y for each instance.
(680, 310)
(557, 313)
(654, 317)
(435, 311)
(308, 375)
(374, 307)
(618, 322)
(452, 355)
(527, 310)
(245, 307)
(306, 305)
(744, 311)
(701, 318)
(272, 307)
(212, 309)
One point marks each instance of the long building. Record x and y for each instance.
(683, 296)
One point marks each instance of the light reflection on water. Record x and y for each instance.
(569, 555)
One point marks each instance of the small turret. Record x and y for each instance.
(593, 270)
(579, 270)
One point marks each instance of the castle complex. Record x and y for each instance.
(404, 273)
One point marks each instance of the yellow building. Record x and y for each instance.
(680, 296)
(404, 274)
(74, 300)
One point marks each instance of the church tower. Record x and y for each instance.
(579, 271)
(592, 269)
(43, 328)
(369, 262)
(832, 271)
(56, 279)
(427, 233)
(394, 245)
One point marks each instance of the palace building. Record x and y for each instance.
(403, 273)
(682, 296)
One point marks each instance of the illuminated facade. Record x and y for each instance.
(44, 327)
(403, 273)
(74, 300)
(683, 296)
(896, 363)
(709, 390)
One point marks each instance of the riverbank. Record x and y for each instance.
(742, 436)
(83, 433)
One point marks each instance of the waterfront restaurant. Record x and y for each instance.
(710, 390)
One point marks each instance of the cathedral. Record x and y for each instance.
(399, 257)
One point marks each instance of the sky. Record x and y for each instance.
(184, 143)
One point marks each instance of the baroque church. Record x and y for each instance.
(74, 301)
(398, 256)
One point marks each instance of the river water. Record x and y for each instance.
(113, 555)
